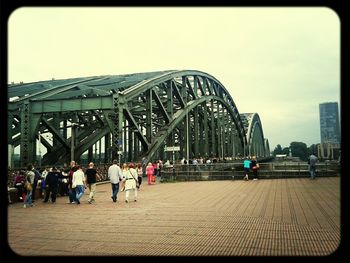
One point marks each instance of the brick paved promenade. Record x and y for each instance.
(278, 217)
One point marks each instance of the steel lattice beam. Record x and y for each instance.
(134, 114)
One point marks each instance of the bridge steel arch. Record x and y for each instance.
(133, 117)
(257, 144)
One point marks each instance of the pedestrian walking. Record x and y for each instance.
(78, 183)
(149, 172)
(312, 165)
(71, 193)
(115, 175)
(139, 175)
(29, 186)
(91, 177)
(37, 176)
(130, 182)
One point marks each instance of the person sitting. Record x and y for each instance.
(19, 185)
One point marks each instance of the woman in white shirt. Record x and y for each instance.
(78, 182)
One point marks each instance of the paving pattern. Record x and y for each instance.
(271, 217)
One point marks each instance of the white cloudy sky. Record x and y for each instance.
(278, 62)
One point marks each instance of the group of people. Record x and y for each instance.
(25, 182)
(129, 176)
(252, 164)
(77, 182)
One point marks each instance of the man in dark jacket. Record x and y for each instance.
(52, 184)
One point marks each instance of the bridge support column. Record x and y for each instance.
(29, 125)
(206, 131)
(195, 132)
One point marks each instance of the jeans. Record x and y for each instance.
(312, 170)
(79, 189)
(34, 189)
(28, 200)
(72, 195)
(115, 189)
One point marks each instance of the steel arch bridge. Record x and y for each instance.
(257, 144)
(134, 117)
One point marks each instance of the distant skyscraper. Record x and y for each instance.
(329, 123)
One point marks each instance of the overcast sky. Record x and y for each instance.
(279, 62)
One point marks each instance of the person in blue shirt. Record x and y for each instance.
(246, 166)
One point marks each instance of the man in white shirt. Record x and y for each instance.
(115, 175)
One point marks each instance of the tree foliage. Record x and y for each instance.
(285, 151)
(299, 149)
(277, 150)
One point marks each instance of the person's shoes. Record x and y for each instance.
(44, 201)
(78, 202)
(126, 201)
(24, 206)
(255, 179)
(89, 201)
(73, 202)
(135, 200)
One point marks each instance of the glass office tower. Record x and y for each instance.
(329, 123)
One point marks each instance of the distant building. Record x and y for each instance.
(329, 123)
(328, 151)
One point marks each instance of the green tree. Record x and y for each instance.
(285, 151)
(299, 149)
(313, 149)
(277, 150)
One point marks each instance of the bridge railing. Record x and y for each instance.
(229, 171)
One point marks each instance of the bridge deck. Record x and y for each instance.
(280, 217)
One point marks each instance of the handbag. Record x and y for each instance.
(28, 186)
(122, 187)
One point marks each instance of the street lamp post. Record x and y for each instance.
(72, 141)
(39, 149)
(187, 139)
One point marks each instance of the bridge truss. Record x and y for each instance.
(133, 117)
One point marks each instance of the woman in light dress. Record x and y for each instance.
(130, 182)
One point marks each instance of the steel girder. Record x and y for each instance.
(137, 115)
